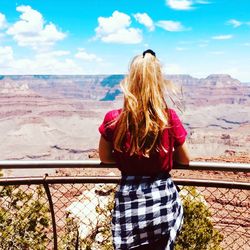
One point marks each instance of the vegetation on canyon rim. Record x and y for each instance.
(25, 223)
(24, 218)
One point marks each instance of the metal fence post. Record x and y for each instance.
(52, 212)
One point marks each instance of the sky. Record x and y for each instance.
(195, 37)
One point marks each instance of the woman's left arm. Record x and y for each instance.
(106, 151)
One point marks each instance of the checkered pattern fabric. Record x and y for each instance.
(146, 209)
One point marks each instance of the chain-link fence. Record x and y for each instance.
(75, 213)
(25, 220)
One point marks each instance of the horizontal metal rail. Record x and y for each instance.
(107, 179)
(213, 166)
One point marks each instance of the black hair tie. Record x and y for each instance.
(148, 51)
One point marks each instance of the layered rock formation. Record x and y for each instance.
(57, 117)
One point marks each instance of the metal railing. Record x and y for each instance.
(227, 201)
(194, 165)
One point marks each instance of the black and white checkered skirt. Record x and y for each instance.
(146, 209)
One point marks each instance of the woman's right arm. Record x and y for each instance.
(181, 154)
(106, 151)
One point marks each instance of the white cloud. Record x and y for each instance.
(235, 23)
(202, 2)
(172, 69)
(171, 26)
(32, 31)
(117, 21)
(49, 66)
(38, 66)
(184, 4)
(126, 36)
(145, 19)
(203, 45)
(240, 73)
(52, 54)
(180, 4)
(116, 29)
(50, 62)
(42, 63)
(3, 21)
(222, 37)
(180, 49)
(83, 55)
(6, 55)
(217, 52)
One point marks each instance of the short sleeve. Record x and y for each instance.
(178, 132)
(106, 129)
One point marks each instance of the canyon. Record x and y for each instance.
(57, 117)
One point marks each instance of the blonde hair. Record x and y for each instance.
(145, 112)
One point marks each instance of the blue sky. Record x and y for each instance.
(196, 37)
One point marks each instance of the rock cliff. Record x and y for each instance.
(39, 112)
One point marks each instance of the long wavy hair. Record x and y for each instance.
(145, 112)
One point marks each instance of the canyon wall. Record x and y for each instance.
(57, 117)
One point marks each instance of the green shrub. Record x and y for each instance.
(198, 232)
(24, 219)
(69, 240)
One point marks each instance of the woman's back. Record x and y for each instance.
(159, 160)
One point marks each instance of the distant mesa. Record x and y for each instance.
(111, 95)
(106, 87)
(13, 88)
(112, 83)
(220, 80)
(45, 77)
(216, 80)
(112, 80)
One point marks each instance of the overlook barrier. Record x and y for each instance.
(73, 212)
